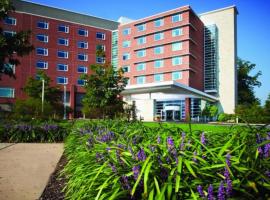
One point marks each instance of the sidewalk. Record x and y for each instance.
(25, 169)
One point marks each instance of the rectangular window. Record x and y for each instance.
(158, 77)
(126, 68)
(141, 27)
(62, 80)
(100, 36)
(7, 92)
(82, 45)
(42, 38)
(176, 46)
(159, 22)
(177, 18)
(100, 47)
(158, 36)
(82, 57)
(42, 51)
(177, 32)
(140, 79)
(177, 61)
(158, 50)
(141, 40)
(126, 44)
(141, 53)
(126, 31)
(158, 63)
(43, 25)
(63, 28)
(176, 75)
(10, 21)
(126, 56)
(62, 67)
(100, 60)
(83, 32)
(140, 66)
(9, 33)
(82, 69)
(81, 82)
(42, 65)
(63, 41)
(62, 54)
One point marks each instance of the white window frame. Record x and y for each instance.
(45, 51)
(11, 33)
(102, 60)
(42, 62)
(161, 63)
(160, 35)
(159, 75)
(84, 71)
(141, 53)
(179, 75)
(80, 80)
(66, 41)
(85, 56)
(11, 91)
(103, 36)
(141, 25)
(62, 70)
(180, 62)
(160, 21)
(65, 54)
(180, 18)
(65, 27)
(179, 46)
(140, 67)
(12, 19)
(46, 25)
(62, 77)
(141, 40)
(143, 79)
(85, 32)
(180, 30)
(128, 31)
(126, 67)
(45, 38)
(126, 44)
(127, 55)
(161, 50)
(103, 47)
(85, 45)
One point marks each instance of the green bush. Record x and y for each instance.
(224, 117)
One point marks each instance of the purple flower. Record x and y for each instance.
(158, 140)
(125, 183)
(170, 143)
(259, 139)
(200, 190)
(141, 155)
(266, 150)
(113, 167)
(118, 157)
(267, 173)
(228, 157)
(182, 141)
(229, 187)
(152, 148)
(210, 195)
(221, 192)
(99, 157)
(226, 174)
(136, 172)
(194, 156)
(203, 139)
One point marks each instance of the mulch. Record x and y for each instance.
(54, 188)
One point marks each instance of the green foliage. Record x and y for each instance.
(210, 110)
(224, 117)
(120, 160)
(267, 107)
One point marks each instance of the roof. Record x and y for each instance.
(61, 14)
(221, 9)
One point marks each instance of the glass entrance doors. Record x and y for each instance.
(171, 113)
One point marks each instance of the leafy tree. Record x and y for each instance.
(9, 44)
(247, 82)
(267, 108)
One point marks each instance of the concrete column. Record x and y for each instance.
(187, 108)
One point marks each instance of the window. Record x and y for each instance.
(177, 18)
(82, 57)
(63, 41)
(126, 44)
(82, 69)
(62, 54)
(42, 65)
(128, 81)
(158, 36)
(9, 33)
(82, 45)
(100, 47)
(10, 21)
(159, 22)
(141, 53)
(126, 68)
(177, 32)
(176, 46)
(126, 31)
(100, 36)
(42, 51)
(126, 56)
(100, 60)
(176, 75)
(63, 28)
(83, 32)
(141, 27)
(158, 50)
(158, 63)
(62, 80)
(62, 67)
(158, 77)
(81, 82)
(7, 92)
(140, 66)
(176, 61)
(43, 25)
(141, 40)
(42, 38)
(140, 79)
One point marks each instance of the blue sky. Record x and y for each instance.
(253, 23)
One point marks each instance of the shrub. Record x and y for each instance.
(224, 117)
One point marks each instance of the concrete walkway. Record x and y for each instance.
(25, 169)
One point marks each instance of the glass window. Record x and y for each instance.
(176, 46)
(100, 36)
(158, 63)
(159, 22)
(100, 60)
(62, 80)
(100, 47)
(62, 67)
(141, 53)
(83, 32)
(177, 61)
(42, 65)
(82, 45)
(158, 77)
(82, 69)
(63, 28)
(177, 18)
(126, 31)
(158, 50)
(141, 40)
(126, 68)
(140, 79)
(7, 92)
(126, 56)
(177, 32)
(82, 57)
(140, 66)
(126, 44)
(81, 82)
(158, 36)
(42, 38)
(10, 20)
(63, 41)
(62, 54)
(43, 25)
(42, 51)
(141, 27)
(9, 33)
(176, 75)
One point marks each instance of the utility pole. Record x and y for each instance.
(42, 95)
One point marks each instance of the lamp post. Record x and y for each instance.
(65, 100)
(42, 96)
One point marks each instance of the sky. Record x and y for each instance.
(253, 23)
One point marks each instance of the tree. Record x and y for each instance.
(267, 108)
(9, 44)
(247, 82)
